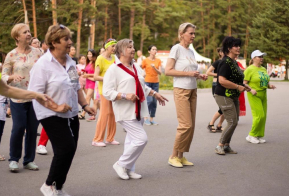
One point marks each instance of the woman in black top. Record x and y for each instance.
(212, 71)
(228, 89)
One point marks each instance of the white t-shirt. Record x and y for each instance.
(185, 61)
(49, 76)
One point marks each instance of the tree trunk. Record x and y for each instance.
(54, 13)
(26, 21)
(208, 36)
(110, 31)
(214, 36)
(105, 24)
(34, 19)
(92, 28)
(79, 29)
(132, 13)
(229, 19)
(143, 27)
(203, 26)
(119, 17)
(246, 41)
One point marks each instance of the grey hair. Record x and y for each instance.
(183, 28)
(121, 46)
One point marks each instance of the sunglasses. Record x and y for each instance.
(61, 26)
(109, 40)
(261, 57)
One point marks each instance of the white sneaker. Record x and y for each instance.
(261, 140)
(60, 193)
(252, 139)
(51, 191)
(47, 190)
(134, 175)
(13, 166)
(121, 171)
(41, 150)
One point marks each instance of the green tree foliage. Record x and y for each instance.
(270, 31)
(261, 23)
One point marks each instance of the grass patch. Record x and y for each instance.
(166, 83)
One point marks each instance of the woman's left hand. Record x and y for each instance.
(203, 77)
(90, 110)
(162, 100)
(271, 86)
(85, 76)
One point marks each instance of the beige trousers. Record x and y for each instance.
(186, 105)
(105, 120)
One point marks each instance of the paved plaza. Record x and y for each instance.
(257, 169)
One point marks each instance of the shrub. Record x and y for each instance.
(166, 83)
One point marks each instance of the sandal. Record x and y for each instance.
(211, 128)
(80, 117)
(2, 158)
(92, 118)
(8, 115)
(219, 129)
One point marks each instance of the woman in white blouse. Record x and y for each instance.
(183, 66)
(55, 74)
(124, 85)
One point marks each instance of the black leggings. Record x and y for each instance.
(213, 92)
(63, 135)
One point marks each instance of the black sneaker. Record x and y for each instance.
(229, 150)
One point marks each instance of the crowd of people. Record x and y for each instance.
(46, 84)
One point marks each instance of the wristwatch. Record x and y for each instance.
(123, 96)
(84, 106)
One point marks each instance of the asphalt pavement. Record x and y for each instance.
(257, 169)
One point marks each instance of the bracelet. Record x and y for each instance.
(84, 106)
(237, 87)
(154, 93)
(123, 96)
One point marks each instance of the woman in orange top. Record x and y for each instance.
(153, 69)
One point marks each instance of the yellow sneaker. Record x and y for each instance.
(184, 161)
(175, 162)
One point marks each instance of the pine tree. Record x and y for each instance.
(270, 31)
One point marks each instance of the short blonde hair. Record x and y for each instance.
(15, 32)
(121, 46)
(183, 28)
(55, 33)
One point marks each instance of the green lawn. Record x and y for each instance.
(166, 83)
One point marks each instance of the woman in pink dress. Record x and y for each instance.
(242, 103)
(90, 83)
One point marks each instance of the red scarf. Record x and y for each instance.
(139, 90)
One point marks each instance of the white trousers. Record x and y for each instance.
(135, 141)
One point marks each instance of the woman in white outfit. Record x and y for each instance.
(55, 74)
(124, 85)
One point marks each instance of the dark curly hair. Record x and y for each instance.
(229, 42)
